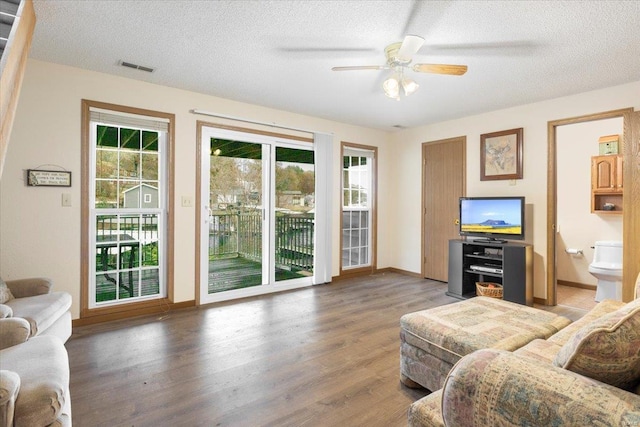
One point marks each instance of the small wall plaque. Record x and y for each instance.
(42, 178)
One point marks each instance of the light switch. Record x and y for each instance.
(187, 201)
(66, 199)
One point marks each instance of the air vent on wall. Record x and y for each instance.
(137, 67)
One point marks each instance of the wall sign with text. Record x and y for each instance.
(42, 178)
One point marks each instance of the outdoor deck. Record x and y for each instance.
(224, 275)
(239, 272)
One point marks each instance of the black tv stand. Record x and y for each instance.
(507, 263)
(490, 240)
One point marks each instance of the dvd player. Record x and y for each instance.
(486, 269)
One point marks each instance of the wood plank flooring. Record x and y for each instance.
(321, 356)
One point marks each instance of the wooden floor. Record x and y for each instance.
(320, 356)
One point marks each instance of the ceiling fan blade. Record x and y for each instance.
(409, 47)
(456, 70)
(361, 67)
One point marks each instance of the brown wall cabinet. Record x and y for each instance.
(606, 184)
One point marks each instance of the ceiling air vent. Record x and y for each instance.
(137, 67)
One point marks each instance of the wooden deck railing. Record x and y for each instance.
(230, 235)
(233, 234)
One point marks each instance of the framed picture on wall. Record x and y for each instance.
(501, 155)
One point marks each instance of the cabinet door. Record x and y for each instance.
(603, 173)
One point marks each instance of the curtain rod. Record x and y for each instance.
(255, 122)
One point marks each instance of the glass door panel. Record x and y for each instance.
(258, 205)
(294, 213)
(236, 214)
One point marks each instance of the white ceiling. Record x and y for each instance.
(279, 54)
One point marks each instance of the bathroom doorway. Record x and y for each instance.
(577, 228)
(631, 226)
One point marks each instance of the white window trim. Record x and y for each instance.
(132, 121)
(350, 151)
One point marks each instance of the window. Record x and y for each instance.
(358, 202)
(127, 207)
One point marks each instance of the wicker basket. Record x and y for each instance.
(483, 289)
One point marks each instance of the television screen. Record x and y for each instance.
(495, 218)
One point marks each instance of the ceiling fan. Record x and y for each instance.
(399, 56)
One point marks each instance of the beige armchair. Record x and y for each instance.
(34, 379)
(34, 366)
(47, 312)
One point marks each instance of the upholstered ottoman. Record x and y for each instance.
(433, 340)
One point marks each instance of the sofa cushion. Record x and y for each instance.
(5, 292)
(607, 349)
(41, 311)
(602, 308)
(43, 367)
(542, 350)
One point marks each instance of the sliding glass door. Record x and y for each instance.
(294, 213)
(257, 204)
(235, 215)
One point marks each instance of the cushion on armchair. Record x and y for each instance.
(607, 349)
(29, 287)
(41, 311)
(5, 292)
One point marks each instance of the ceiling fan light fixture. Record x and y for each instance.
(409, 86)
(391, 87)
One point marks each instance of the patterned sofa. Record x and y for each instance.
(586, 374)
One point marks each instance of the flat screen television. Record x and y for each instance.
(495, 219)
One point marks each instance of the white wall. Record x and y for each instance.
(533, 118)
(578, 228)
(39, 237)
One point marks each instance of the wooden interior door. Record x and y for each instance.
(443, 183)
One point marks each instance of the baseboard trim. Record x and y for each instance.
(126, 314)
(576, 285)
(405, 272)
(368, 272)
(540, 301)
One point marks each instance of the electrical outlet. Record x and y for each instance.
(66, 199)
(187, 201)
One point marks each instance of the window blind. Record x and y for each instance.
(357, 152)
(128, 120)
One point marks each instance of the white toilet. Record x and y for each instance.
(607, 268)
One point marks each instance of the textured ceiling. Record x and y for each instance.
(279, 54)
